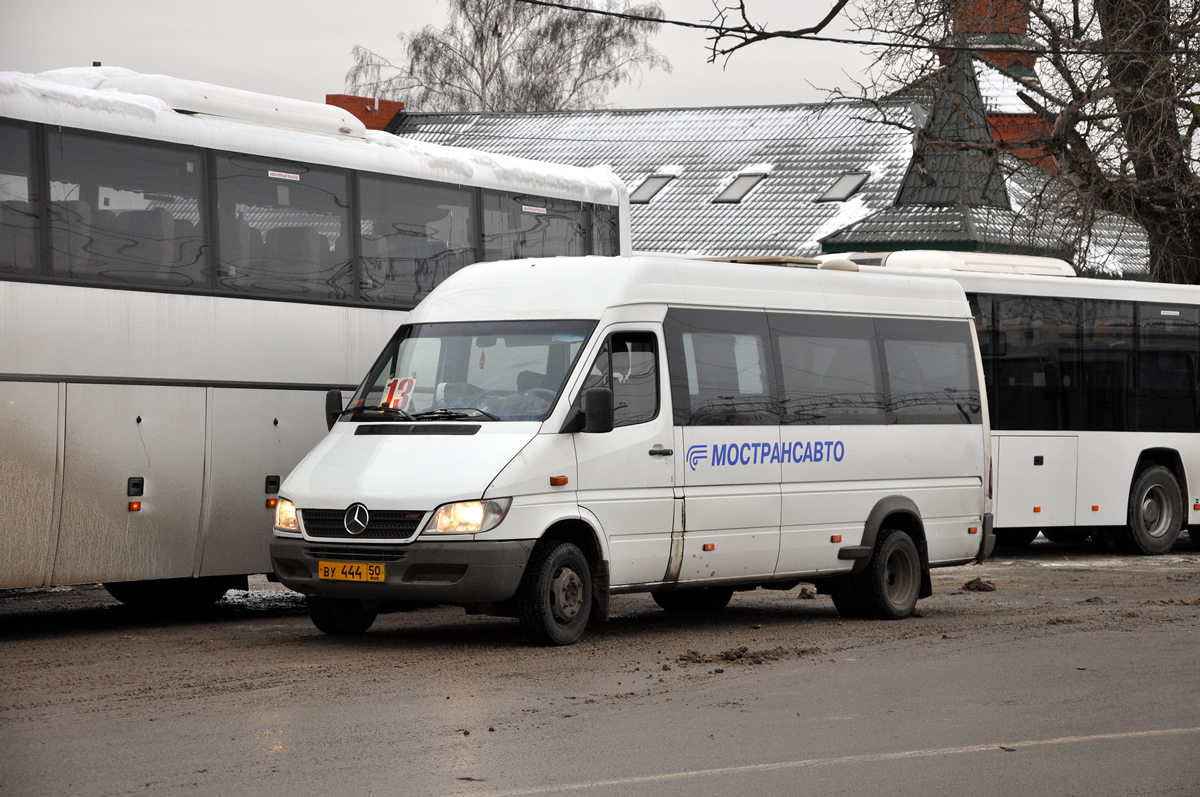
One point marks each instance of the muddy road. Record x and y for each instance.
(1079, 673)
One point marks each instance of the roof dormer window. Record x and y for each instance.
(653, 184)
(845, 187)
(744, 183)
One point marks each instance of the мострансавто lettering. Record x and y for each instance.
(766, 453)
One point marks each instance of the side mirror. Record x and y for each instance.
(598, 410)
(333, 406)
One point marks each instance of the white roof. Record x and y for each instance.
(585, 287)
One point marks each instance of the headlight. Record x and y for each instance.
(468, 517)
(285, 517)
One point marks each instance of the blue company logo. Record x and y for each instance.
(766, 453)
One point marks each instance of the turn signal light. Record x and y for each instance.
(973, 530)
(836, 538)
(272, 503)
(709, 546)
(558, 481)
(135, 506)
(1037, 509)
(1096, 507)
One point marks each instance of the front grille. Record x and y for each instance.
(399, 524)
(358, 553)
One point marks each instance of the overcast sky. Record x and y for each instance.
(301, 48)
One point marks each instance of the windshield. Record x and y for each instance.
(488, 370)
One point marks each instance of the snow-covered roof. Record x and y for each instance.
(809, 147)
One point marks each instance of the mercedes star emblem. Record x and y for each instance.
(356, 519)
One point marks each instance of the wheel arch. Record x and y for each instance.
(582, 535)
(901, 513)
(1168, 458)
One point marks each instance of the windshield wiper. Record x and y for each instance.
(453, 414)
(382, 409)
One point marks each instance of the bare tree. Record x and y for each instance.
(1115, 82)
(504, 55)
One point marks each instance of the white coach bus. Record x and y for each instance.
(541, 434)
(185, 271)
(1094, 392)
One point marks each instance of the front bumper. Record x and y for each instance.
(467, 572)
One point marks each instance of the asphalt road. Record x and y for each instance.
(1077, 675)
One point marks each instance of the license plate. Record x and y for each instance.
(350, 571)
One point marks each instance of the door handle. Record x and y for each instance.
(661, 452)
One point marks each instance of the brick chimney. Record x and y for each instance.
(994, 23)
(374, 113)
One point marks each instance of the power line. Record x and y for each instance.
(708, 26)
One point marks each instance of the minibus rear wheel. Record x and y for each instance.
(554, 600)
(889, 587)
(339, 616)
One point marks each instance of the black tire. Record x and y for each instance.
(339, 616)
(554, 600)
(1015, 537)
(693, 601)
(1155, 511)
(169, 595)
(1067, 536)
(889, 587)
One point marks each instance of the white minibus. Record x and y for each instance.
(541, 434)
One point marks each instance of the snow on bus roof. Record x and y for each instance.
(123, 102)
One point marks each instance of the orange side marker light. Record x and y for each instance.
(1095, 507)
(709, 546)
(558, 481)
(135, 506)
(272, 503)
(836, 538)
(1037, 509)
(973, 530)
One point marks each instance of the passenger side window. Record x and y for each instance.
(721, 368)
(628, 365)
(828, 369)
(930, 371)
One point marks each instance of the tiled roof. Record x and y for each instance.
(946, 198)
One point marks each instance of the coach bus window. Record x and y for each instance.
(930, 372)
(283, 228)
(1038, 384)
(126, 211)
(521, 225)
(721, 371)
(414, 235)
(1107, 354)
(18, 202)
(606, 236)
(1166, 372)
(828, 368)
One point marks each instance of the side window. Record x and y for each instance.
(283, 228)
(628, 365)
(413, 236)
(126, 211)
(519, 225)
(18, 202)
(1037, 363)
(721, 368)
(1166, 373)
(1106, 376)
(828, 369)
(929, 369)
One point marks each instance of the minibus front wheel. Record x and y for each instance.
(554, 600)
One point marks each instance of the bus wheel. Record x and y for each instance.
(1155, 511)
(1015, 538)
(554, 600)
(1067, 536)
(339, 616)
(695, 601)
(169, 595)
(888, 588)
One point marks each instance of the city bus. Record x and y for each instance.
(1094, 391)
(185, 271)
